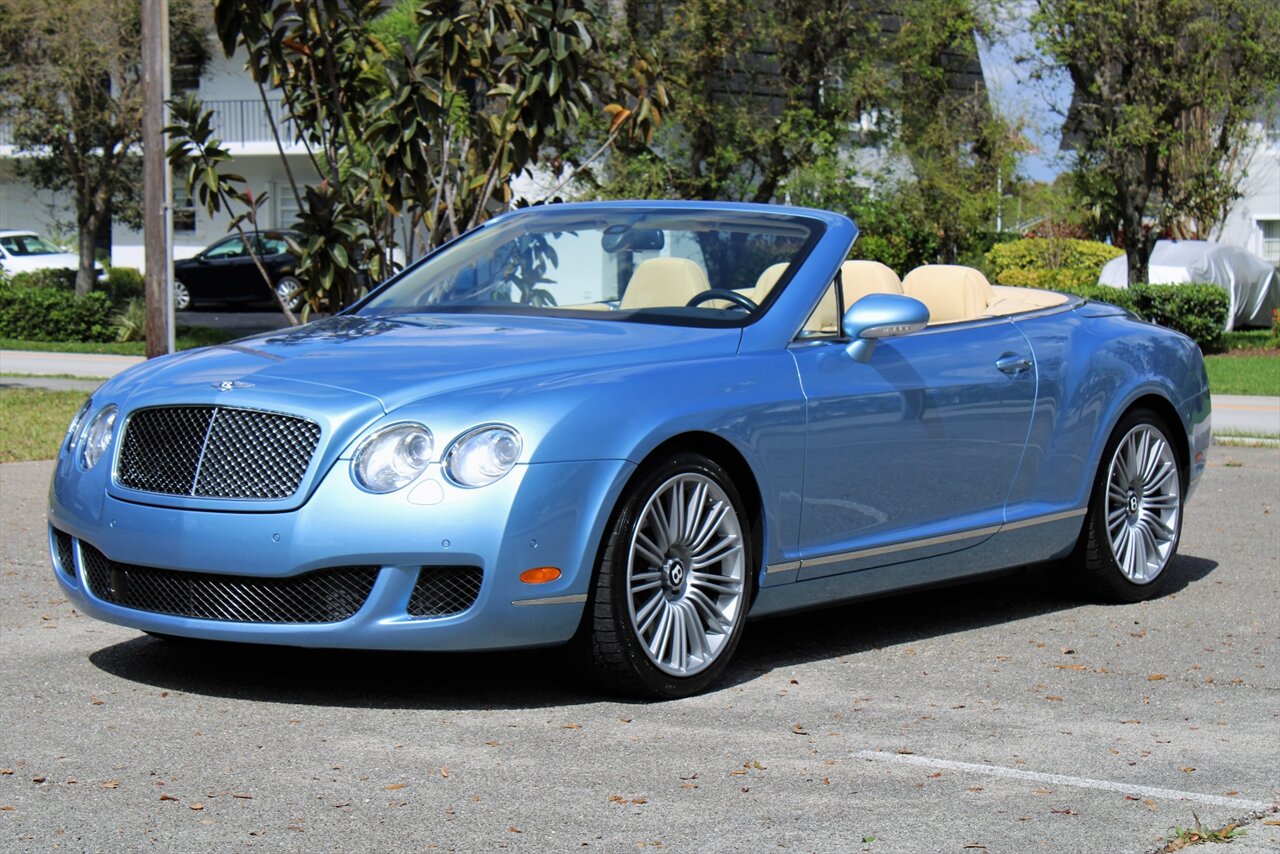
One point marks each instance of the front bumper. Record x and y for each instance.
(549, 514)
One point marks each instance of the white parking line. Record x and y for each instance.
(1061, 780)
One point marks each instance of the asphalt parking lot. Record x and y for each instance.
(998, 716)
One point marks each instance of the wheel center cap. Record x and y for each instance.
(1133, 502)
(673, 572)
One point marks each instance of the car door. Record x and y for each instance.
(912, 453)
(219, 269)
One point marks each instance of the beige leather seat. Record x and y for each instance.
(662, 282)
(951, 292)
(764, 284)
(857, 279)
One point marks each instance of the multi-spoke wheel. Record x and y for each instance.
(289, 292)
(181, 296)
(671, 596)
(1135, 514)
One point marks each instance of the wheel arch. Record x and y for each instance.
(727, 456)
(1168, 414)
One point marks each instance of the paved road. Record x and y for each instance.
(994, 717)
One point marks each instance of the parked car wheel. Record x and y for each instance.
(289, 290)
(671, 595)
(181, 296)
(1135, 513)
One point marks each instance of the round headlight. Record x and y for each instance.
(392, 458)
(483, 455)
(97, 437)
(74, 426)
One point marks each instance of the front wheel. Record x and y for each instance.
(181, 296)
(671, 595)
(1135, 514)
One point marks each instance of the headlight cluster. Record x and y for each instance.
(94, 440)
(394, 457)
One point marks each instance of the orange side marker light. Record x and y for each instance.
(540, 575)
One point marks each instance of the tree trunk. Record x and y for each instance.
(85, 277)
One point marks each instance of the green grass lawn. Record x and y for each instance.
(1244, 374)
(187, 338)
(33, 422)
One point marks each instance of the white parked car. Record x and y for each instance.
(25, 251)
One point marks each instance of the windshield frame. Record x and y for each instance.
(815, 226)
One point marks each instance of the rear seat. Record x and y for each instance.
(954, 293)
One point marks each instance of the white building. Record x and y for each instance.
(240, 121)
(1254, 221)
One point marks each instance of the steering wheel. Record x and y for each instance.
(739, 299)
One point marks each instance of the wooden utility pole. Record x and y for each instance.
(157, 213)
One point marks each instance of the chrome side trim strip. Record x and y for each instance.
(929, 541)
(902, 547)
(1042, 520)
(571, 599)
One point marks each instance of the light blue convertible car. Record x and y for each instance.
(628, 427)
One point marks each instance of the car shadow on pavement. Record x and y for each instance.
(541, 678)
(913, 617)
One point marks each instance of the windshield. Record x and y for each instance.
(27, 244)
(705, 267)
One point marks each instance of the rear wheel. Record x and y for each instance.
(670, 598)
(1135, 513)
(289, 290)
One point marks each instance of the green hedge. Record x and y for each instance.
(1054, 263)
(60, 279)
(50, 314)
(1197, 311)
(123, 284)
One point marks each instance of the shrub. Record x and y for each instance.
(57, 279)
(130, 322)
(123, 284)
(1052, 263)
(1275, 327)
(1197, 311)
(49, 314)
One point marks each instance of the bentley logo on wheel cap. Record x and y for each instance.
(228, 385)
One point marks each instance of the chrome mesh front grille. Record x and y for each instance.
(444, 590)
(62, 544)
(216, 452)
(323, 596)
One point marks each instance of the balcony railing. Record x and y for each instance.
(234, 121)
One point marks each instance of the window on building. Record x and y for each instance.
(1271, 240)
(184, 212)
(286, 205)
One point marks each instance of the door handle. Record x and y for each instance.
(1013, 364)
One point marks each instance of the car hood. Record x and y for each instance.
(400, 359)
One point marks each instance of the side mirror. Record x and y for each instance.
(877, 316)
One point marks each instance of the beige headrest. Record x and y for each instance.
(951, 292)
(857, 278)
(867, 277)
(767, 280)
(660, 282)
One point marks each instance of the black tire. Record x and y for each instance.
(619, 658)
(1108, 571)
